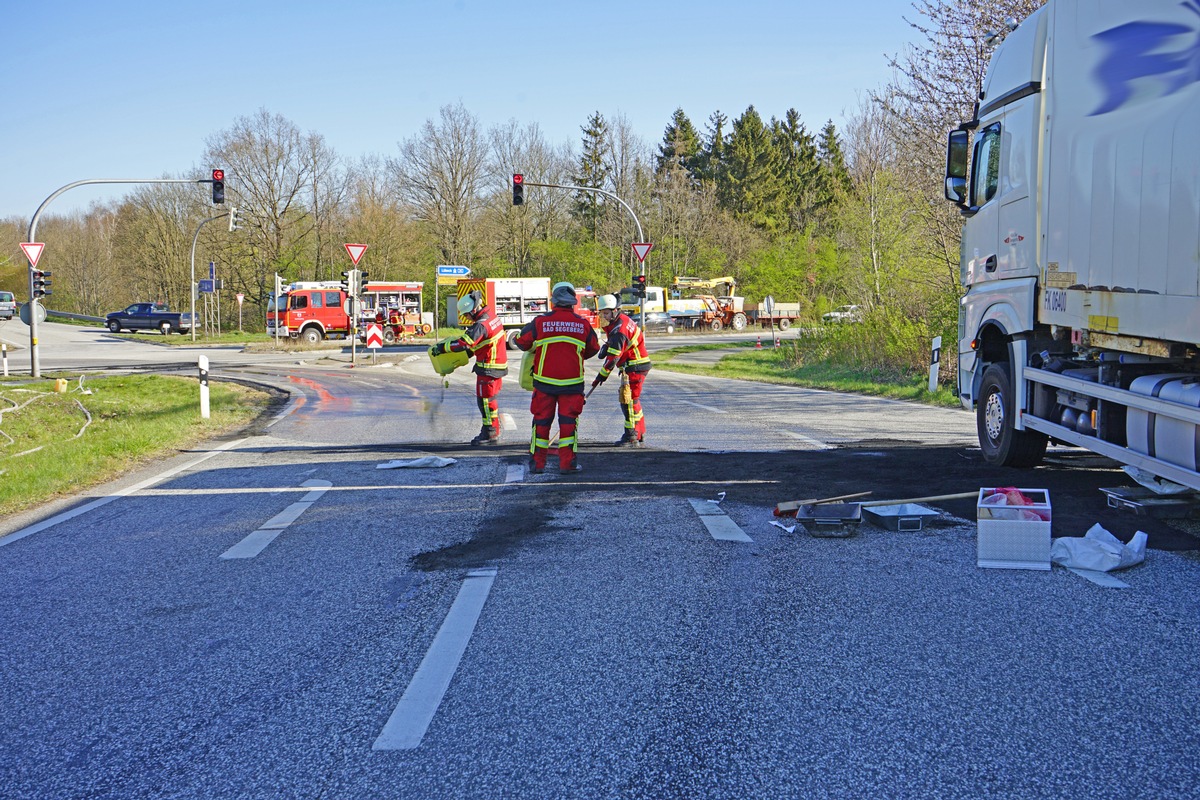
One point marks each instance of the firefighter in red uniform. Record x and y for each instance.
(561, 340)
(625, 350)
(485, 340)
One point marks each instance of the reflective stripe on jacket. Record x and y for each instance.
(625, 348)
(485, 340)
(562, 340)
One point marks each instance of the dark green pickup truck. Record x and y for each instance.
(149, 317)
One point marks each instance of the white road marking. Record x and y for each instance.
(92, 506)
(800, 437)
(257, 541)
(515, 473)
(391, 487)
(706, 408)
(719, 525)
(408, 723)
(509, 423)
(292, 405)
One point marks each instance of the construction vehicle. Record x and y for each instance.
(516, 301)
(1079, 256)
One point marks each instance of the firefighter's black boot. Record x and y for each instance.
(487, 436)
(629, 439)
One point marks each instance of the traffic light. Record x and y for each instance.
(349, 279)
(41, 286)
(639, 285)
(362, 280)
(518, 189)
(218, 182)
(234, 222)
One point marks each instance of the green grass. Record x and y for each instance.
(779, 366)
(48, 447)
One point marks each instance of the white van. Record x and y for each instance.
(8, 305)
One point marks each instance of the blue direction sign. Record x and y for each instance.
(206, 286)
(456, 271)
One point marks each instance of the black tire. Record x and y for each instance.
(739, 322)
(784, 324)
(311, 335)
(389, 336)
(1001, 444)
(164, 328)
(114, 326)
(510, 340)
(716, 325)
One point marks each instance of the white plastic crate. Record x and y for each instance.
(1005, 541)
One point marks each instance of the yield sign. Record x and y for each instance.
(33, 251)
(374, 337)
(356, 252)
(641, 250)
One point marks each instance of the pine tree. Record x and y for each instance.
(710, 161)
(800, 170)
(680, 148)
(752, 188)
(593, 172)
(832, 159)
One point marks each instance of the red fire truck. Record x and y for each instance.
(316, 310)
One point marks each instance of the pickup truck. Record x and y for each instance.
(147, 317)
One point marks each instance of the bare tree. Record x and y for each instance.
(270, 174)
(441, 172)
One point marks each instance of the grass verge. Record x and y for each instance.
(784, 366)
(52, 444)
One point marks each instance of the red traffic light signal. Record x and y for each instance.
(518, 189)
(218, 183)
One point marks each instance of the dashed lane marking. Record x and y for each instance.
(719, 525)
(257, 541)
(706, 408)
(137, 487)
(408, 723)
(800, 437)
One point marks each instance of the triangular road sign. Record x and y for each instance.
(641, 250)
(33, 251)
(356, 252)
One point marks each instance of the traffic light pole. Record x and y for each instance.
(193, 292)
(641, 236)
(35, 366)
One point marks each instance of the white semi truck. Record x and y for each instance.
(1079, 178)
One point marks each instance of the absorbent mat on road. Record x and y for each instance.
(426, 462)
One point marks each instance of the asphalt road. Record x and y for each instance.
(275, 616)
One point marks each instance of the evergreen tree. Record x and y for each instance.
(833, 160)
(800, 170)
(680, 148)
(710, 161)
(752, 188)
(594, 171)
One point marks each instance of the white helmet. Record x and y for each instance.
(606, 302)
(468, 303)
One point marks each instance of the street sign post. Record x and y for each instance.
(447, 275)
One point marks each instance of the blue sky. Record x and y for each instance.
(126, 89)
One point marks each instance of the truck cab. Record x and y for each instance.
(310, 311)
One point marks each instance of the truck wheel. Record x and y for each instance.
(511, 340)
(426, 329)
(784, 324)
(389, 336)
(164, 328)
(716, 325)
(114, 326)
(311, 336)
(739, 322)
(1001, 444)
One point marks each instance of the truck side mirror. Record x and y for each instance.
(957, 152)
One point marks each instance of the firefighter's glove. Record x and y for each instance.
(437, 349)
(599, 380)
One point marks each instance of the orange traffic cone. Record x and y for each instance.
(759, 345)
